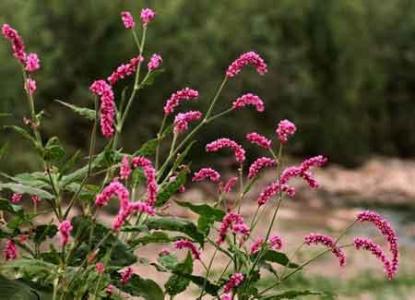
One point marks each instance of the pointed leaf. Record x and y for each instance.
(294, 294)
(171, 188)
(87, 113)
(24, 189)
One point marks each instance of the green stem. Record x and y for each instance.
(202, 292)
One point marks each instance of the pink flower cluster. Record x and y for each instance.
(150, 174)
(227, 296)
(303, 171)
(249, 99)
(228, 185)
(32, 62)
(155, 62)
(237, 149)
(125, 168)
(248, 58)
(100, 267)
(177, 97)
(127, 20)
(35, 199)
(30, 86)
(126, 275)
(329, 242)
(204, 173)
(115, 188)
(234, 281)
(273, 189)
(259, 139)
(236, 223)
(65, 229)
(182, 120)
(10, 250)
(259, 164)
(186, 244)
(284, 130)
(376, 250)
(107, 108)
(16, 41)
(387, 231)
(125, 70)
(274, 242)
(147, 15)
(16, 198)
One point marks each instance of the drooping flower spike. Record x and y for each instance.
(229, 185)
(125, 168)
(127, 20)
(329, 242)
(16, 198)
(249, 99)
(221, 143)
(125, 70)
(376, 250)
(182, 120)
(259, 139)
(272, 190)
(206, 173)
(10, 251)
(65, 229)
(274, 242)
(150, 174)
(259, 164)
(234, 222)
(388, 233)
(234, 281)
(155, 61)
(126, 275)
(248, 58)
(147, 15)
(16, 41)
(186, 244)
(176, 98)
(285, 130)
(107, 107)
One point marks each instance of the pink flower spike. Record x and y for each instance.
(376, 250)
(65, 229)
(35, 199)
(117, 189)
(16, 41)
(387, 231)
(229, 185)
(176, 98)
(218, 144)
(32, 62)
(127, 20)
(206, 173)
(227, 296)
(147, 15)
(325, 240)
(234, 281)
(126, 275)
(249, 99)
(16, 198)
(30, 86)
(125, 169)
(100, 267)
(10, 251)
(109, 289)
(258, 139)
(155, 62)
(256, 245)
(275, 242)
(186, 244)
(248, 58)
(107, 109)
(232, 221)
(285, 130)
(125, 70)
(259, 164)
(273, 189)
(150, 174)
(182, 120)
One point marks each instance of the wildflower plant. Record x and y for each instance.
(62, 249)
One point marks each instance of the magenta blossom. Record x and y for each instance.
(186, 244)
(107, 109)
(10, 250)
(147, 15)
(16, 41)
(16, 198)
(259, 139)
(65, 229)
(32, 62)
(234, 281)
(125, 169)
(155, 62)
(236, 223)
(30, 86)
(248, 58)
(284, 130)
(237, 149)
(176, 98)
(100, 267)
(272, 190)
(230, 184)
(127, 20)
(329, 242)
(150, 174)
(259, 164)
(182, 120)
(249, 99)
(206, 173)
(126, 275)
(125, 70)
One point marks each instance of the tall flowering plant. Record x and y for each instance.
(62, 249)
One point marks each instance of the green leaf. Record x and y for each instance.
(35, 179)
(183, 155)
(178, 283)
(171, 224)
(53, 150)
(277, 257)
(80, 173)
(293, 294)
(168, 261)
(15, 290)
(25, 189)
(42, 232)
(138, 286)
(5, 205)
(171, 188)
(148, 148)
(24, 134)
(4, 149)
(208, 215)
(32, 269)
(152, 238)
(208, 286)
(87, 113)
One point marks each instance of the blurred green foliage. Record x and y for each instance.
(343, 70)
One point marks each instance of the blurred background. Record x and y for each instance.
(342, 70)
